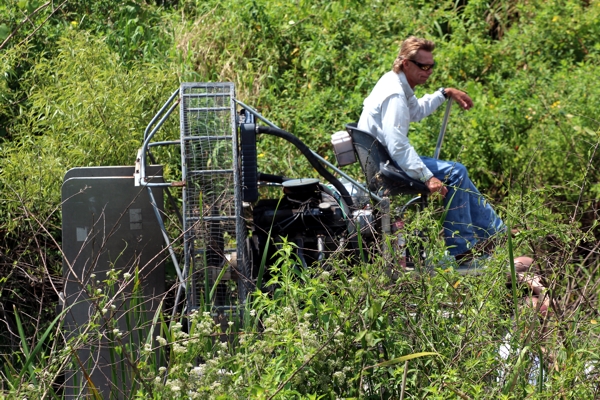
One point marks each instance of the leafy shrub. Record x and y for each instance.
(83, 111)
(81, 91)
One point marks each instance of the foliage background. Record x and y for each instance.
(80, 80)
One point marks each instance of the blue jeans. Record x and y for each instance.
(470, 217)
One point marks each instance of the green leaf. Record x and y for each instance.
(360, 335)
(4, 32)
(590, 132)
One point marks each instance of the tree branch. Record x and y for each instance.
(27, 18)
(42, 24)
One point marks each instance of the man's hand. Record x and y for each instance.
(463, 99)
(436, 186)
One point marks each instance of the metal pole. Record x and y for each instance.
(440, 140)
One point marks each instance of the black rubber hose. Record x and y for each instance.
(314, 161)
(272, 178)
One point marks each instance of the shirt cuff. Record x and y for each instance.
(426, 177)
(441, 92)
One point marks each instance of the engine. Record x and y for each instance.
(308, 215)
(319, 219)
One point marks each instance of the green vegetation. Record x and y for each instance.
(80, 80)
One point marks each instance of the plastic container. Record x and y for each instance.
(343, 148)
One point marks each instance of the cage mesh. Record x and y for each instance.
(213, 224)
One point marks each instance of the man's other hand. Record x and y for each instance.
(463, 99)
(436, 186)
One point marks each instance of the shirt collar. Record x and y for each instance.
(408, 91)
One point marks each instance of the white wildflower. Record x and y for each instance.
(178, 348)
(161, 340)
(339, 377)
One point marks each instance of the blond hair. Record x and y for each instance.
(409, 49)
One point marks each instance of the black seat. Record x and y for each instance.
(383, 175)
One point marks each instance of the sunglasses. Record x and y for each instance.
(424, 67)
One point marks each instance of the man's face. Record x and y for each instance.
(415, 75)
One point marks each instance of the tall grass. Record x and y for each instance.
(531, 141)
(347, 330)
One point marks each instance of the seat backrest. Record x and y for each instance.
(381, 172)
(370, 151)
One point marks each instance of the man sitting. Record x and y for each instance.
(387, 113)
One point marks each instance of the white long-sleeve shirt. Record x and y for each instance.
(387, 112)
